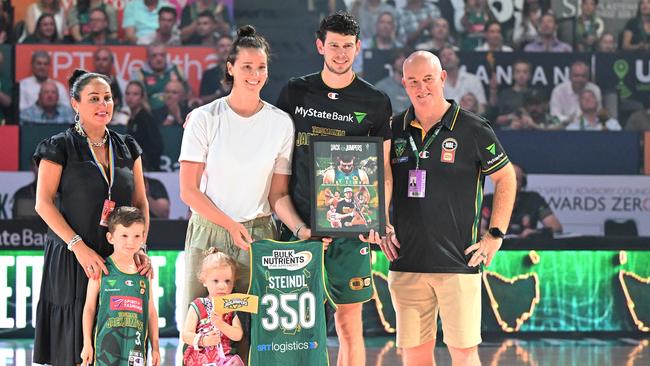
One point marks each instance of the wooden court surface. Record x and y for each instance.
(381, 351)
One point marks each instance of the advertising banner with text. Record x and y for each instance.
(582, 203)
(191, 61)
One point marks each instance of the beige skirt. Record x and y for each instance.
(203, 234)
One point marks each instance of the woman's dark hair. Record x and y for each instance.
(247, 37)
(340, 23)
(37, 32)
(80, 78)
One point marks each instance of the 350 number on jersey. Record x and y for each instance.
(296, 308)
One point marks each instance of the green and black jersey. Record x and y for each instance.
(434, 231)
(155, 83)
(121, 332)
(289, 327)
(318, 110)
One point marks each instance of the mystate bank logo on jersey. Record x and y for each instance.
(333, 116)
(287, 259)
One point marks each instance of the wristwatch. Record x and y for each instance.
(496, 233)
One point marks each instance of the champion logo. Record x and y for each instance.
(333, 96)
(364, 251)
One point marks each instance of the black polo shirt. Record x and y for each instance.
(435, 230)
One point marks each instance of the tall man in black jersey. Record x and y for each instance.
(440, 159)
(335, 102)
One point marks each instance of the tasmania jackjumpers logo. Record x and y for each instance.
(400, 146)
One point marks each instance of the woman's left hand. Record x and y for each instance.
(143, 262)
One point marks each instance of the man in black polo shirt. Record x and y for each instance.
(440, 157)
(336, 102)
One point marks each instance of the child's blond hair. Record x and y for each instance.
(215, 259)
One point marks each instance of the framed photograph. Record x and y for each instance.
(347, 195)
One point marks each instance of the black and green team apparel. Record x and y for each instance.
(358, 109)
(434, 231)
(121, 332)
(289, 327)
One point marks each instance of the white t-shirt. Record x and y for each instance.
(240, 155)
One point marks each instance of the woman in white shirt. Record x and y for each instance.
(235, 165)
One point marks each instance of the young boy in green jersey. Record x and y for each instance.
(119, 315)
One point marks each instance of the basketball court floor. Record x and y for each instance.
(381, 351)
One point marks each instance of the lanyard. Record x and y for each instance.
(426, 145)
(110, 177)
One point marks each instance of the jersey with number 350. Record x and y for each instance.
(289, 327)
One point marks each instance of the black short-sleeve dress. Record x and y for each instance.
(82, 191)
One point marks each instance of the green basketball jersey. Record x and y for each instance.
(289, 327)
(155, 83)
(121, 331)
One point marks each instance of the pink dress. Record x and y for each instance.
(212, 355)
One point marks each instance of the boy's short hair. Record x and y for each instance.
(340, 23)
(125, 216)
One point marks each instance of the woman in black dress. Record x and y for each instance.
(78, 165)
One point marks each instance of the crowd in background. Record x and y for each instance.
(157, 95)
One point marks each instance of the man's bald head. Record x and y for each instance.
(423, 58)
(424, 79)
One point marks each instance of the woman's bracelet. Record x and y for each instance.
(75, 239)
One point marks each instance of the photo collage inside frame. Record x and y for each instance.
(348, 186)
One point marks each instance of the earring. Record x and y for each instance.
(76, 117)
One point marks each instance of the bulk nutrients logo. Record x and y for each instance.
(287, 259)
